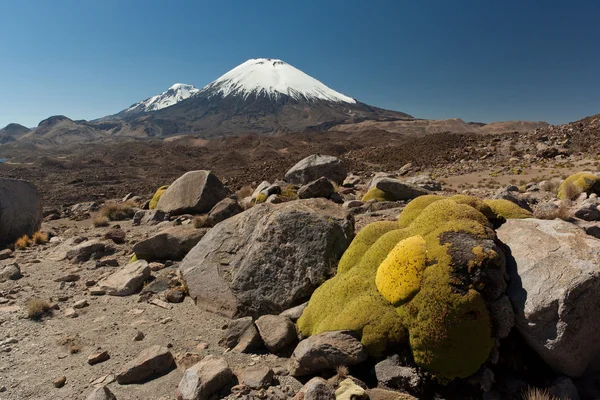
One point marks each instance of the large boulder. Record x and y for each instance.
(267, 259)
(193, 192)
(153, 362)
(398, 190)
(555, 291)
(322, 187)
(20, 210)
(315, 166)
(129, 280)
(203, 379)
(169, 244)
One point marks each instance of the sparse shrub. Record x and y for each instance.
(22, 243)
(377, 195)
(100, 221)
(40, 238)
(538, 394)
(37, 308)
(202, 221)
(117, 211)
(563, 211)
(245, 191)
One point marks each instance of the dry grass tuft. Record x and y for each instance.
(538, 394)
(40, 238)
(341, 373)
(244, 192)
(22, 243)
(37, 308)
(100, 221)
(570, 191)
(117, 211)
(202, 221)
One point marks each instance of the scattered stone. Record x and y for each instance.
(88, 249)
(101, 393)
(195, 192)
(564, 388)
(235, 272)
(205, 378)
(559, 305)
(348, 390)
(127, 281)
(10, 272)
(138, 336)
(316, 389)
(6, 253)
(161, 304)
(277, 332)
(322, 187)
(588, 210)
(117, 235)
(242, 336)
(351, 180)
(68, 278)
(149, 217)
(169, 244)
(383, 394)
(294, 313)
(156, 266)
(59, 382)
(353, 204)
(80, 304)
(152, 362)
(21, 210)
(97, 358)
(107, 262)
(391, 373)
(71, 313)
(326, 351)
(256, 377)
(175, 295)
(224, 209)
(426, 182)
(315, 166)
(398, 190)
(165, 321)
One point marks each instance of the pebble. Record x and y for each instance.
(138, 336)
(98, 357)
(59, 382)
(71, 313)
(166, 320)
(81, 304)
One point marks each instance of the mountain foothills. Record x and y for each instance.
(261, 96)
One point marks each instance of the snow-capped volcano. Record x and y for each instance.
(176, 93)
(273, 78)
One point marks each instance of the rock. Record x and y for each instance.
(351, 180)
(348, 390)
(203, 379)
(383, 394)
(315, 166)
(564, 388)
(399, 190)
(10, 272)
(268, 258)
(194, 192)
(392, 374)
(224, 209)
(152, 362)
(263, 185)
(277, 332)
(20, 210)
(175, 295)
(6, 253)
(256, 377)
(70, 313)
(80, 304)
(295, 312)
(68, 278)
(88, 249)
(316, 389)
(97, 358)
(336, 198)
(59, 382)
(426, 182)
(101, 393)
(116, 235)
(512, 196)
(588, 210)
(503, 316)
(352, 204)
(149, 217)
(405, 169)
(555, 286)
(322, 187)
(127, 281)
(169, 244)
(139, 336)
(242, 336)
(326, 351)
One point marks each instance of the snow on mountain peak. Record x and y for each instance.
(273, 78)
(173, 95)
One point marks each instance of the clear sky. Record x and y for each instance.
(472, 59)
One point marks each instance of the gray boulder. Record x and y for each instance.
(11, 272)
(224, 209)
(315, 166)
(589, 210)
(391, 373)
(268, 258)
(169, 244)
(316, 389)
(256, 377)
(194, 192)
(326, 351)
(426, 182)
(127, 281)
(555, 287)
(322, 187)
(511, 195)
(203, 379)
(88, 249)
(148, 217)
(150, 363)
(399, 190)
(20, 210)
(242, 336)
(277, 332)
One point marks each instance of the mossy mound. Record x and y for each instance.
(377, 195)
(157, 195)
(579, 183)
(261, 197)
(424, 280)
(504, 209)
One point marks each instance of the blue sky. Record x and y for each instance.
(471, 59)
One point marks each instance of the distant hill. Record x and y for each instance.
(12, 132)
